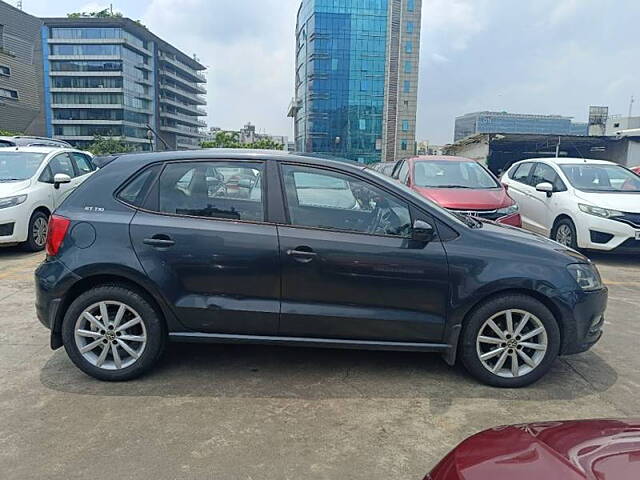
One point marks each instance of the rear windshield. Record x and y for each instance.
(601, 178)
(19, 165)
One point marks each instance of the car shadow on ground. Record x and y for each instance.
(252, 371)
(613, 259)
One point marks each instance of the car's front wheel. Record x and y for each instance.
(113, 333)
(510, 341)
(564, 232)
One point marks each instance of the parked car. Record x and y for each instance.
(385, 168)
(322, 253)
(572, 450)
(33, 182)
(459, 184)
(636, 169)
(28, 141)
(591, 204)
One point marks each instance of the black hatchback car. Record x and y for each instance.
(275, 248)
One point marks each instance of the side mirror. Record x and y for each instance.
(422, 232)
(60, 178)
(545, 187)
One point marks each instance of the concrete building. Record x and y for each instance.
(113, 77)
(619, 123)
(356, 78)
(21, 91)
(503, 122)
(247, 135)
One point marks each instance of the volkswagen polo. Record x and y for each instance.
(158, 247)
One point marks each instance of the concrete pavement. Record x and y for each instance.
(253, 412)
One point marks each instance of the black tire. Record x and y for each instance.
(153, 323)
(475, 321)
(565, 223)
(33, 243)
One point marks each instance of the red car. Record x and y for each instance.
(459, 184)
(573, 450)
(636, 169)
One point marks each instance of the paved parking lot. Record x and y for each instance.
(250, 412)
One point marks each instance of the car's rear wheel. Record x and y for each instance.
(510, 341)
(37, 234)
(113, 333)
(564, 232)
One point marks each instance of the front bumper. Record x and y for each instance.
(14, 225)
(583, 315)
(596, 233)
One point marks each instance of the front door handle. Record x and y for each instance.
(160, 241)
(302, 254)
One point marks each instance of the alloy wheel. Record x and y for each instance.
(564, 235)
(39, 231)
(512, 343)
(110, 335)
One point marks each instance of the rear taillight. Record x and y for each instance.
(56, 232)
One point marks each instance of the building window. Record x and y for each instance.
(405, 125)
(1, 37)
(411, 5)
(408, 67)
(403, 145)
(407, 86)
(364, 85)
(408, 48)
(363, 124)
(406, 103)
(5, 71)
(409, 27)
(6, 93)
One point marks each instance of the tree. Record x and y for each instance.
(106, 13)
(231, 140)
(108, 145)
(7, 133)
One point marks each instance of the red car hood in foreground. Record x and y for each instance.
(574, 450)
(467, 199)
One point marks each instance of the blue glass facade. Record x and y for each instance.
(340, 77)
(503, 122)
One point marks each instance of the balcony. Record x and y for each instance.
(186, 119)
(197, 76)
(187, 108)
(184, 131)
(186, 84)
(176, 90)
(294, 106)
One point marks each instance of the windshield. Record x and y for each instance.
(19, 165)
(452, 174)
(601, 178)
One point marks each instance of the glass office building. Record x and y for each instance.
(112, 77)
(503, 122)
(356, 78)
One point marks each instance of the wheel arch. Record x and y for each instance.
(456, 332)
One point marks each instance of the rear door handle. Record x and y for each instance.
(159, 241)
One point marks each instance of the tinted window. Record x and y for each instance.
(62, 164)
(224, 190)
(334, 201)
(452, 174)
(521, 173)
(601, 178)
(136, 190)
(83, 164)
(545, 173)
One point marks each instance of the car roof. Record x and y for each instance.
(568, 161)
(34, 149)
(233, 154)
(448, 158)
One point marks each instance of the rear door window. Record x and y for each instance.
(135, 191)
(222, 190)
(521, 173)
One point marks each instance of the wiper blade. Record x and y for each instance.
(10, 179)
(450, 186)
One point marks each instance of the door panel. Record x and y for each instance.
(219, 277)
(362, 287)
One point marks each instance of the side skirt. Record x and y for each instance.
(195, 337)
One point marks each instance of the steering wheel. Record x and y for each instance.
(383, 220)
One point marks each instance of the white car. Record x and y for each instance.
(591, 204)
(33, 182)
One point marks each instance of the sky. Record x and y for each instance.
(524, 56)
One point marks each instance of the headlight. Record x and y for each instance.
(586, 276)
(599, 211)
(510, 210)
(12, 201)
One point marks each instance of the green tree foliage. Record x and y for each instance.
(106, 13)
(231, 140)
(7, 133)
(107, 145)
